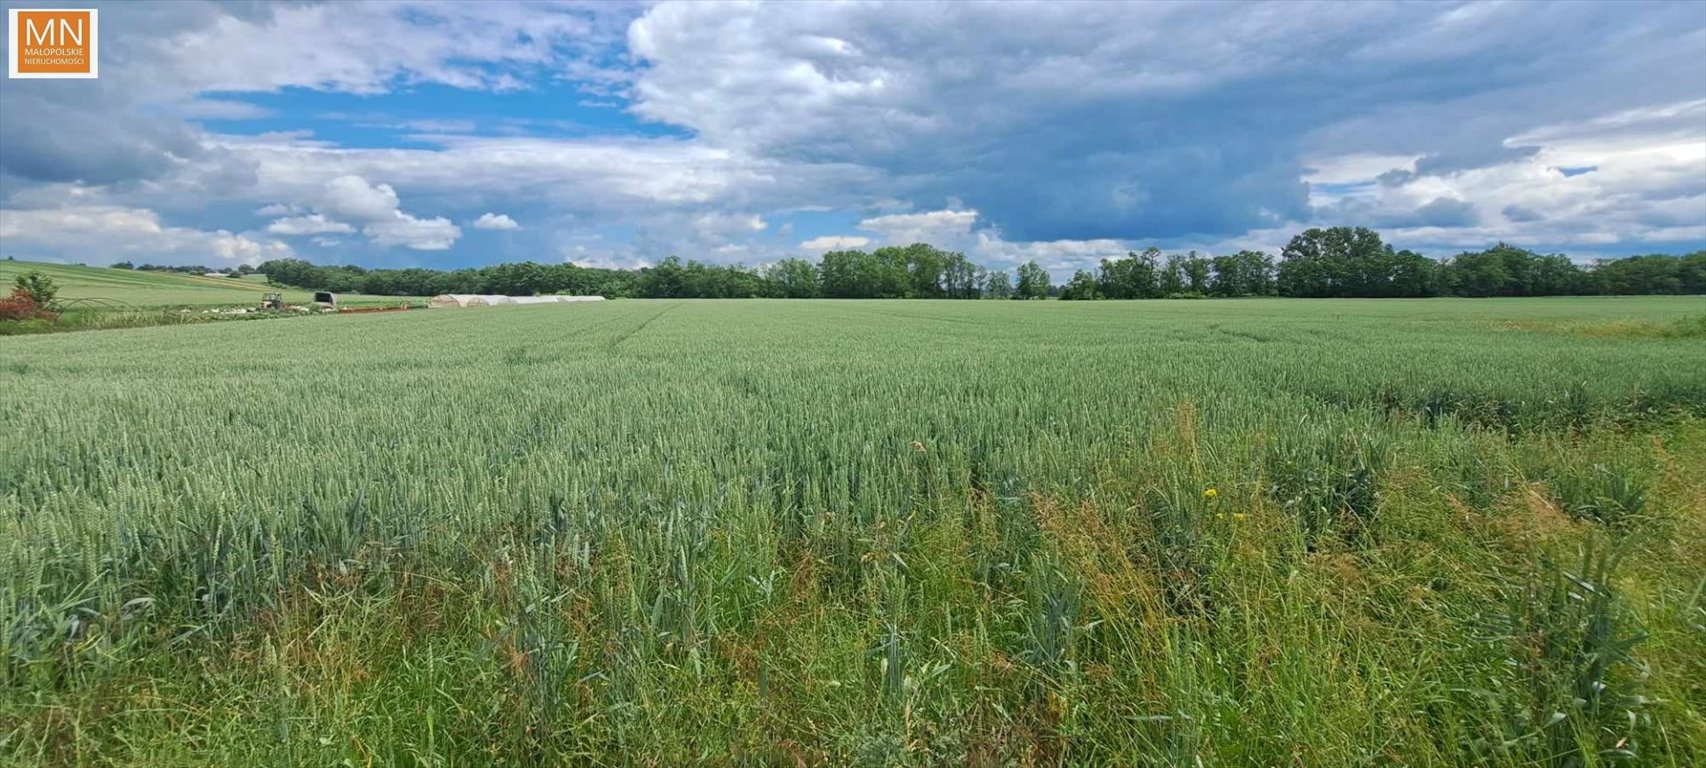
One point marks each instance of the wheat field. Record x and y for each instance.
(1245, 532)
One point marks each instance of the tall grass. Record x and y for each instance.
(858, 533)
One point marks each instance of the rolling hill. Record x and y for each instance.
(108, 286)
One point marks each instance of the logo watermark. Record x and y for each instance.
(53, 43)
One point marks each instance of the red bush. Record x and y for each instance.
(21, 306)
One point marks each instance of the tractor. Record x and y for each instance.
(273, 301)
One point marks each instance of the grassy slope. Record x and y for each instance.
(858, 533)
(163, 289)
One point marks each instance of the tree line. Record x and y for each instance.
(916, 271)
(241, 269)
(1341, 262)
(1346, 262)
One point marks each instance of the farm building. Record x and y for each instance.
(451, 300)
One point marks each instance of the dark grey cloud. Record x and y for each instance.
(1069, 129)
(1442, 212)
(1471, 157)
(1522, 215)
(1147, 120)
(50, 136)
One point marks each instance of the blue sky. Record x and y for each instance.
(455, 134)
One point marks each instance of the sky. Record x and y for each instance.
(460, 134)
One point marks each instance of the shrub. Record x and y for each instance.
(1576, 694)
(1612, 496)
(20, 306)
(38, 287)
(1330, 485)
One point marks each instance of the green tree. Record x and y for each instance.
(664, 281)
(1082, 287)
(1692, 273)
(961, 279)
(1033, 281)
(1196, 269)
(1336, 261)
(1641, 275)
(925, 267)
(1171, 280)
(1477, 273)
(1130, 277)
(1413, 275)
(793, 279)
(38, 287)
(998, 284)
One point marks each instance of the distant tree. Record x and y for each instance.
(1033, 281)
(124, 265)
(1649, 274)
(1132, 277)
(1506, 270)
(890, 274)
(793, 279)
(1412, 275)
(1228, 277)
(663, 281)
(1557, 275)
(926, 267)
(1478, 273)
(1258, 269)
(881, 274)
(1171, 279)
(1196, 270)
(295, 273)
(1692, 273)
(961, 279)
(38, 287)
(1337, 261)
(1081, 287)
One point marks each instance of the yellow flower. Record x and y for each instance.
(1210, 493)
(1239, 515)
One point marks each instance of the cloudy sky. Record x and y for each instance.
(439, 134)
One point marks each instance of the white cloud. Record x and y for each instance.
(376, 206)
(495, 221)
(1055, 130)
(221, 109)
(1636, 175)
(930, 227)
(312, 224)
(958, 230)
(369, 47)
(725, 224)
(351, 197)
(581, 256)
(591, 176)
(835, 243)
(435, 234)
(135, 234)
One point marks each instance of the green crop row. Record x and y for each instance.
(1252, 532)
